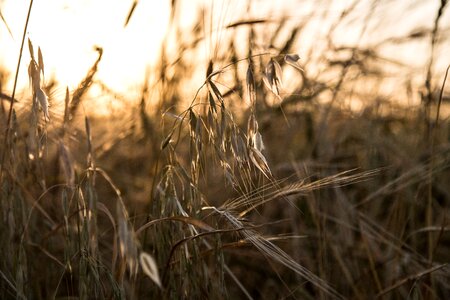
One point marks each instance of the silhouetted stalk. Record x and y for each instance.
(11, 106)
(430, 129)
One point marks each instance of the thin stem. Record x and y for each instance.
(11, 106)
(433, 132)
(441, 95)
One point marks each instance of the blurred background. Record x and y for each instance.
(392, 38)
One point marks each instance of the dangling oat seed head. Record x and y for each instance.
(43, 102)
(272, 77)
(33, 74)
(260, 161)
(252, 129)
(258, 142)
(40, 61)
(250, 80)
(30, 47)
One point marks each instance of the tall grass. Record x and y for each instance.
(253, 184)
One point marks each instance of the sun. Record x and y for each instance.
(68, 32)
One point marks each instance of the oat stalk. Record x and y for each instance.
(11, 106)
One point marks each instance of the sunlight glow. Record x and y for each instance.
(68, 31)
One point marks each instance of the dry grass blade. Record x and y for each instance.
(412, 176)
(247, 22)
(7, 97)
(48, 254)
(85, 84)
(6, 24)
(215, 90)
(441, 96)
(130, 13)
(410, 278)
(188, 220)
(273, 252)
(101, 207)
(10, 284)
(273, 191)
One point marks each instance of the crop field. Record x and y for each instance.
(290, 149)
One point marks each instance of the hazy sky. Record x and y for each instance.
(67, 32)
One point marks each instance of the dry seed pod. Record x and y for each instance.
(272, 77)
(43, 102)
(40, 61)
(30, 47)
(259, 161)
(278, 71)
(33, 74)
(258, 142)
(212, 103)
(250, 80)
(252, 125)
(150, 268)
(252, 129)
